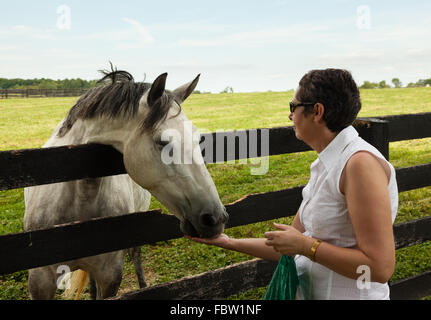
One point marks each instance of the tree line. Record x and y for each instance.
(78, 83)
(396, 84)
(46, 83)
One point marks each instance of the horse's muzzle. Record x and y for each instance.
(206, 225)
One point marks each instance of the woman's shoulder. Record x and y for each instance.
(363, 162)
(362, 165)
(359, 144)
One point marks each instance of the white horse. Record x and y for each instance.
(133, 118)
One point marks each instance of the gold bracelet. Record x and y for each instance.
(313, 249)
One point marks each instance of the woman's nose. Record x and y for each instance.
(291, 116)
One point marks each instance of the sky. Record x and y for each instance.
(249, 45)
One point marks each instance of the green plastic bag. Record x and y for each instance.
(284, 282)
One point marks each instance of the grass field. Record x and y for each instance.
(28, 123)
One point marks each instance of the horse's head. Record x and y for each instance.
(163, 156)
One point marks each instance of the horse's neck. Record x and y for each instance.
(104, 131)
(88, 192)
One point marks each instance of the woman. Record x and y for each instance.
(341, 236)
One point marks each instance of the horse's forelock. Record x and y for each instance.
(159, 111)
(119, 97)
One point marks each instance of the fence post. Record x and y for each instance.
(377, 134)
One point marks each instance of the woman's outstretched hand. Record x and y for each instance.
(221, 240)
(288, 240)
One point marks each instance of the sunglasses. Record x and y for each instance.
(293, 106)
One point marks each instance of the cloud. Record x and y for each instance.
(8, 47)
(203, 26)
(298, 33)
(195, 65)
(353, 57)
(419, 53)
(245, 38)
(144, 37)
(23, 31)
(276, 76)
(132, 37)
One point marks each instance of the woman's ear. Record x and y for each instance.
(319, 110)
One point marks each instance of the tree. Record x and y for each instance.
(369, 85)
(423, 82)
(227, 90)
(382, 84)
(397, 83)
(420, 83)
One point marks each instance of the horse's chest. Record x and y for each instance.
(103, 197)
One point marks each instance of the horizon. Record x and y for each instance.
(390, 85)
(257, 47)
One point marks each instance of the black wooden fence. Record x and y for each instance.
(22, 168)
(39, 93)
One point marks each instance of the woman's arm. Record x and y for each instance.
(366, 190)
(296, 223)
(365, 187)
(256, 247)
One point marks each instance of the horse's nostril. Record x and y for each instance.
(208, 220)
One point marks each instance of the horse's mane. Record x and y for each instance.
(118, 97)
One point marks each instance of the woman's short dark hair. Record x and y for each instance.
(337, 91)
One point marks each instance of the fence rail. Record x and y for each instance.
(40, 93)
(43, 247)
(24, 168)
(21, 168)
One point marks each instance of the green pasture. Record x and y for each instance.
(28, 123)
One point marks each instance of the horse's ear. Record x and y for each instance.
(184, 91)
(157, 89)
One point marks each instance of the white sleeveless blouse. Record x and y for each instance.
(324, 215)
